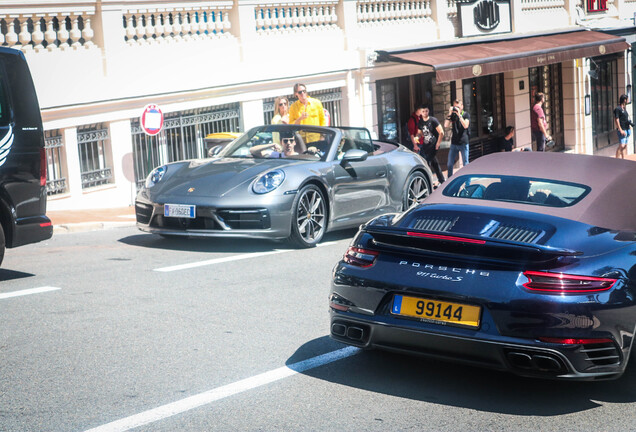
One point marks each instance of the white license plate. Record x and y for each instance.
(180, 211)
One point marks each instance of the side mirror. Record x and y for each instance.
(355, 155)
(213, 151)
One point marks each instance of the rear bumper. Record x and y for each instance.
(31, 230)
(520, 356)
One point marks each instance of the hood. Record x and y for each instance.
(215, 177)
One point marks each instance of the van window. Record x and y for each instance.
(5, 112)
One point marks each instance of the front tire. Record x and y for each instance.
(309, 217)
(417, 189)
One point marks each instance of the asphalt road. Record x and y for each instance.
(129, 331)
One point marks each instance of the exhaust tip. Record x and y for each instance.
(520, 360)
(355, 333)
(339, 329)
(546, 363)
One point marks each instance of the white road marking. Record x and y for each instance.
(230, 258)
(27, 292)
(216, 394)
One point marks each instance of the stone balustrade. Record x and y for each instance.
(43, 27)
(541, 5)
(296, 17)
(371, 12)
(149, 25)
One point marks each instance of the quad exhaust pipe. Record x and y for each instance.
(540, 362)
(349, 331)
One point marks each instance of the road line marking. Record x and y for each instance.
(192, 402)
(27, 292)
(230, 258)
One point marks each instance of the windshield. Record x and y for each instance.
(524, 190)
(282, 141)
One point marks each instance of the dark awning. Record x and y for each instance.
(487, 58)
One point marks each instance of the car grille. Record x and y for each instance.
(601, 354)
(435, 223)
(217, 220)
(143, 212)
(516, 233)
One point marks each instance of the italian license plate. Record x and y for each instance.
(180, 211)
(436, 311)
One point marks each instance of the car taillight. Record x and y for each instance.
(42, 167)
(559, 283)
(360, 257)
(575, 341)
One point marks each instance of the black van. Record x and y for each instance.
(22, 157)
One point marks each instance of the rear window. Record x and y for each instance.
(525, 190)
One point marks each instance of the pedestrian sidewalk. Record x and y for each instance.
(65, 221)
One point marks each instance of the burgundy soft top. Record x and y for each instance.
(611, 202)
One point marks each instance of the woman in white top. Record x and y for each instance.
(281, 110)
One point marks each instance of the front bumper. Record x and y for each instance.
(266, 218)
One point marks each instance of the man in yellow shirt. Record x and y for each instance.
(306, 110)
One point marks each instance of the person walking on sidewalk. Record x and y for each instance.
(623, 126)
(432, 133)
(460, 120)
(538, 124)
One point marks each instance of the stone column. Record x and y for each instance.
(121, 145)
(517, 105)
(73, 163)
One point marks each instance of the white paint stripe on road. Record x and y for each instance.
(27, 292)
(210, 396)
(230, 258)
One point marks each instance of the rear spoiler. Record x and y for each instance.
(464, 246)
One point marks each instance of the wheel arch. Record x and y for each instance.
(325, 192)
(6, 220)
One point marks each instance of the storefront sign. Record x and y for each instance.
(596, 5)
(484, 17)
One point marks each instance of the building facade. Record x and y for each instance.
(216, 66)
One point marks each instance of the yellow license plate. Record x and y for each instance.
(436, 311)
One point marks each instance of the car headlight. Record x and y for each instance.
(268, 182)
(155, 176)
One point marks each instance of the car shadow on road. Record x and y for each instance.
(221, 244)
(7, 275)
(451, 384)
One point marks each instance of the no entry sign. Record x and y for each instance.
(151, 119)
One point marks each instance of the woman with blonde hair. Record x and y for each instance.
(281, 111)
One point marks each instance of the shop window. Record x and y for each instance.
(387, 111)
(484, 101)
(604, 92)
(94, 154)
(54, 147)
(547, 79)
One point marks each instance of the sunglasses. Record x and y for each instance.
(282, 103)
(301, 91)
(288, 140)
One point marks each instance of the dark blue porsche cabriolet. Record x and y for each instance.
(522, 261)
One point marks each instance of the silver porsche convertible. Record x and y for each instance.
(283, 182)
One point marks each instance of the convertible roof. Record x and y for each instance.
(611, 202)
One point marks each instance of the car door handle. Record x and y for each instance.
(380, 174)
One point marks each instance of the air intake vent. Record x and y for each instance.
(516, 233)
(601, 354)
(435, 223)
